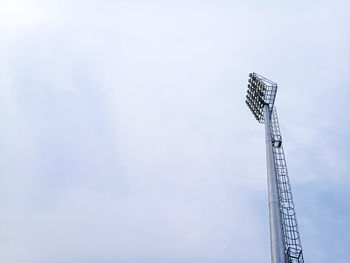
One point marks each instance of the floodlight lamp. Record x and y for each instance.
(250, 93)
(261, 100)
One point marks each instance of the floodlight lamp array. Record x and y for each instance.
(261, 92)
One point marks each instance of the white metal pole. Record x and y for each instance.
(276, 236)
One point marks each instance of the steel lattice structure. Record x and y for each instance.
(284, 234)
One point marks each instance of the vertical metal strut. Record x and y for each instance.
(293, 248)
(276, 233)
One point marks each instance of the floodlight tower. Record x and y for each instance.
(284, 234)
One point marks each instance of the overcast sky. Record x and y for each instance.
(124, 136)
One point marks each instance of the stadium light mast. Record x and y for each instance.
(284, 234)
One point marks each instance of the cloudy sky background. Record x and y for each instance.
(125, 137)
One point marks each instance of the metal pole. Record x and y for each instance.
(276, 236)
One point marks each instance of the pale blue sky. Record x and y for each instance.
(125, 137)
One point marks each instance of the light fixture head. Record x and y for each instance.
(261, 92)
